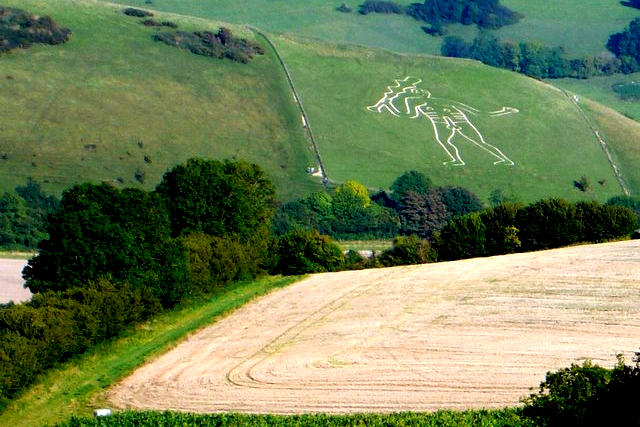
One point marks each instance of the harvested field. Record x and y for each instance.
(466, 334)
(11, 281)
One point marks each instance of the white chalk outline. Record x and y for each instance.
(446, 116)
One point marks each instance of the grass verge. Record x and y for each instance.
(79, 386)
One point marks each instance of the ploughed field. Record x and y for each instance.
(466, 334)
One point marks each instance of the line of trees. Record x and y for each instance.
(539, 61)
(534, 59)
(114, 257)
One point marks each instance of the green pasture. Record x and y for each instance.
(582, 28)
(548, 140)
(600, 89)
(79, 386)
(112, 103)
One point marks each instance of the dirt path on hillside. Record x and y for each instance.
(11, 281)
(466, 334)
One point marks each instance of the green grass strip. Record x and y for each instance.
(79, 386)
(484, 418)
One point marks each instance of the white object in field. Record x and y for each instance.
(304, 121)
(102, 412)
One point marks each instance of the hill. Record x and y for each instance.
(580, 30)
(113, 105)
(548, 138)
(465, 334)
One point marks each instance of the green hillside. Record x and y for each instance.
(549, 139)
(581, 29)
(111, 104)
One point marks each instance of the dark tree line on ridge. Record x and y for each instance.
(438, 13)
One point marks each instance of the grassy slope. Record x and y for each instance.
(600, 89)
(624, 131)
(79, 386)
(112, 86)
(582, 31)
(548, 139)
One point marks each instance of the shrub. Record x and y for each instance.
(20, 29)
(138, 13)
(302, 251)
(408, 250)
(344, 8)
(217, 45)
(379, 6)
(565, 395)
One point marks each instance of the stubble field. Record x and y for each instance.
(466, 334)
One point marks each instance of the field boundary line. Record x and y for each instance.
(305, 118)
(603, 144)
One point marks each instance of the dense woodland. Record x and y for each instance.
(20, 29)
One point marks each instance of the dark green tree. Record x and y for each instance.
(463, 237)
(100, 231)
(219, 198)
(303, 251)
(410, 181)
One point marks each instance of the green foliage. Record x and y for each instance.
(483, 13)
(462, 237)
(380, 6)
(564, 395)
(408, 250)
(349, 213)
(100, 231)
(20, 29)
(303, 251)
(501, 234)
(410, 181)
(23, 216)
(215, 261)
(531, 58)
(627, 202)
(548, 223)
(222, 44)
(494, 418)
(626, 46)
(218, 198)
(55, 326)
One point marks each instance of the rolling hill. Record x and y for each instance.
(113, 105)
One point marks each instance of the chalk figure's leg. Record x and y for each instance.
(471, 133)
(440, 129)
